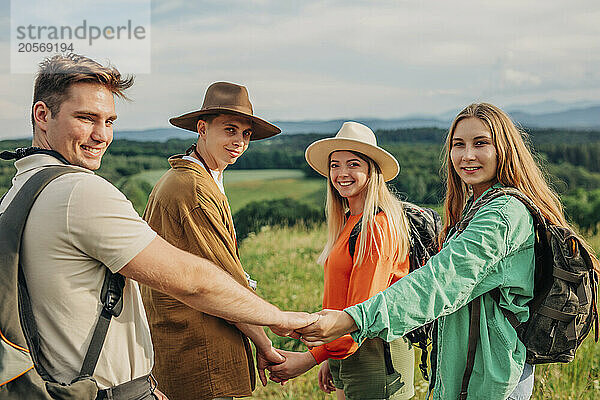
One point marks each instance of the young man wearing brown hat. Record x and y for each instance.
(199, 356)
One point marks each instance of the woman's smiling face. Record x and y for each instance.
(473, 155)
(349, 174)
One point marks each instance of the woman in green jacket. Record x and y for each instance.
(483, 149)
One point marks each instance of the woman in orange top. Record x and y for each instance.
(357, 170)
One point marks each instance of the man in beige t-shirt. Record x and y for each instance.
(81, 222)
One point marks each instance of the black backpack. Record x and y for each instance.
(425, 226)
(21, 374)
(563, 309)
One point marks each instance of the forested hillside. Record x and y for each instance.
(570, 159)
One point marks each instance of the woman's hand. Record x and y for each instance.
(325, 378)
(295, 364)
(331, 325)
(292, 321)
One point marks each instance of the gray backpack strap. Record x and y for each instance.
(474, 325)
(20, 327)
(112, 305)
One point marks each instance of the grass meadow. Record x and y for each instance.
(283, 262)
(245, 186)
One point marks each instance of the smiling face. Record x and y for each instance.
(473, 155)
(223, 140)
(349, 174)
(82, 129)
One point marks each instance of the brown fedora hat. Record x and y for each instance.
(227, 98)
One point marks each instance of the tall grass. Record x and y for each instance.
(283, 262)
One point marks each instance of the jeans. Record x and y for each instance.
(525, 386)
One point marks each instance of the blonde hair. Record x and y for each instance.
(378, 197)
(516, 168)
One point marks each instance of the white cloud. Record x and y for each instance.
(344, 58)
(520, 78)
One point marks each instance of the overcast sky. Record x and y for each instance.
(349, 59)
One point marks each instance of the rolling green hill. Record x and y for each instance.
(245, 186)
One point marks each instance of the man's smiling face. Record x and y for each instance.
(226, 138)
(82, 129)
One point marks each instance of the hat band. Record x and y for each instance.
(241, 109)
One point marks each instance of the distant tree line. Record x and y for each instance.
(583, 155)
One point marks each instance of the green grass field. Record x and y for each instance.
(245, 186)
(283, 262)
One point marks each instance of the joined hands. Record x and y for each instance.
(330, 325)
(313, 330)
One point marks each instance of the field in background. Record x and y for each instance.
(245, 186)
(283, 262)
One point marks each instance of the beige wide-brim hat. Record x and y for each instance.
(227, 98)
(353, 137)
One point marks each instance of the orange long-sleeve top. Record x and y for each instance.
(346, 285)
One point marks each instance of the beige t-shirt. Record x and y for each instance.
(79, 222)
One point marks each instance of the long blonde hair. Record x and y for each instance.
(378, 196)
(516, 168)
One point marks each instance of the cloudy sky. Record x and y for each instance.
(348, 59)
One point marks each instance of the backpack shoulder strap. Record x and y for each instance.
(22, 326)
(354, 234)
(112, 305)
(474, 325)
(538, 219)
(13, 223)
(354, 237)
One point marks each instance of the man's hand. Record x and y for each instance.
(331, 325)
(325, 378)
(292, 321)
(295, 364)
(266, 358)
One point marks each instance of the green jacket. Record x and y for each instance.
(495, 250)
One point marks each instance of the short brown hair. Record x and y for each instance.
(58, 73)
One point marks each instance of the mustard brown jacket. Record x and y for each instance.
(197, 356)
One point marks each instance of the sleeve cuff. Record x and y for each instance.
(372, 319)
(320, 354)
(357, 315)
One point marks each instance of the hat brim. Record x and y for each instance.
(261, 129)
(317, 155)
